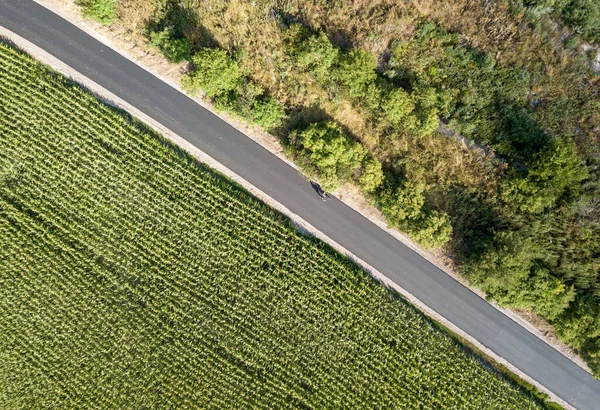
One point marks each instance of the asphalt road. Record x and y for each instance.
(274, 177)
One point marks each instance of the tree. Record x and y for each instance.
(540, 291)
(268, 113)
(555, 171)
(584, 16)
(355, 71)
(371, 176)
(316, 55)
(580, 323)
(426, 99)
(335, 155)
(431, 230)
(214, 72)
(502, 262)
(397, 106)
(402, 202)
(174, 49)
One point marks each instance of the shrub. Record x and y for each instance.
(397, 106)
(579, 323)
(268, 113)
(401, 203)
(355, 71)
(584, 17)
(502, 261)
(214, 72)
(99, 10)
(546, 294)
(432, 230)
(241, 100)
(316, 55)
(555, 171)
(371, 176)
(174, 49)
(335, 155)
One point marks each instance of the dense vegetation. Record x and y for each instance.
(357, 90)
(132, 276)
(582, 15)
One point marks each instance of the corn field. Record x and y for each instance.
(133, 277)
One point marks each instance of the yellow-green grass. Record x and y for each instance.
(133, 277)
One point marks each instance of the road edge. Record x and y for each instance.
(113, 100)
(88, 27)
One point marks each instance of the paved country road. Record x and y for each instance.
(274, 177)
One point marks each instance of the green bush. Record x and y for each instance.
(584, 17)
(398, 107)
(504, 261)
(555, 171)
(432, 230)
(241, 100)
(371, 176)
(268, 113)
(580, 324)
(214, 72)
(590, 352)
(540, 291)
(316, 55)
(355, 71)
(401, 203)
(99, 10)
(465, 88)
(222, 80)
(175, 49)
(403, 206)
(336, 156)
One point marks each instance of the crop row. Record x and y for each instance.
(129, 274)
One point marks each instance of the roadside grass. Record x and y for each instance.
(131, 275)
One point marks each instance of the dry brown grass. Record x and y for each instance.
(248, 27)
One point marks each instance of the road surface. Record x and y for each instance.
(273, 176)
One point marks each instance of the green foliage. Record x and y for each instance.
(580, 324)
(99, 10)
(371, 176)
(541, 292)
(241, 100)
(433, 229)
(268, 113)
(472, 93)
(214, 72)
(355, 71)
(591, 354)
(175, 49)
(403, 206)
(398, 107)
(554, 172)
(131, 275)
(402, 202)
(584, 17)
(222, 79)
(315, 54)
(504, 262)
(336, 156)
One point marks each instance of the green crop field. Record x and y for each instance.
(133, 277)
